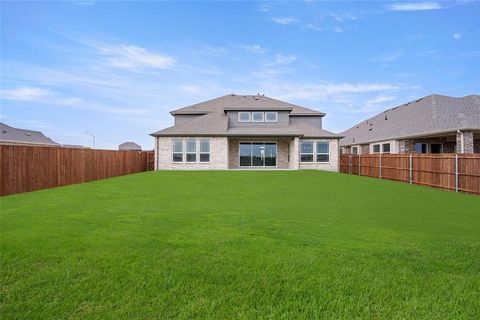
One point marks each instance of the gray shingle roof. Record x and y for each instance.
(214, 121)
(22, 136)
(429, 115)
(128, 145)
(244, 102)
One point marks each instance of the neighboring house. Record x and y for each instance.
(74, 146)
(11, 135)
(245, 131)
(433, 124)
(129, 146)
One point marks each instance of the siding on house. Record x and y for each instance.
(233, 120)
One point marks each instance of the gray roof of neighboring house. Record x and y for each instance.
(23, 136)
(245, 102)
(128, 145)
(214, 121)
(426, 116)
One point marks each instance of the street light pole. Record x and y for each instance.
(93, 137)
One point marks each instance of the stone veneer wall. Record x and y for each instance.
(218, 155)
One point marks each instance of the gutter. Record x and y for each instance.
(433, 133)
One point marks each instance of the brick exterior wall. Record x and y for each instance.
(218, 155)
(333, 165)
(467, 142)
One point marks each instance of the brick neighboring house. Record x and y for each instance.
(15, 136)
(433, 124)
(246, 132)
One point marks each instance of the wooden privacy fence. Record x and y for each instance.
(30, 168)
(459, 172)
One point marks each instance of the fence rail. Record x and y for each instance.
(30, 168)
(456, 172)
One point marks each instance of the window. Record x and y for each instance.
(271, 116)
(244, 117)
(386, 148)
(376, 148)
(191, 146)
(436, 148)
(177, 150)
(258, 154)
(421, 148)
(204, 150)
(354, 150)
(306, 151)
(257, 116)
(323, 154)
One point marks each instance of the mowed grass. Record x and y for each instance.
(240, 245)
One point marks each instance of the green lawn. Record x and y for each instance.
(240, 245)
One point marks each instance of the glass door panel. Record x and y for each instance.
(270, 154)
(258, 154)
(245, 154)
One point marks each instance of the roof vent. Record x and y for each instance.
(232, 94)
(27, 134)
(370, 129)
(256, 97)
(386, 117)
(4, 131)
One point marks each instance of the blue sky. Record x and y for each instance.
(116, 68)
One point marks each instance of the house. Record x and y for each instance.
(129, 146)
(246, 131)
(433, 124)
(16, 136)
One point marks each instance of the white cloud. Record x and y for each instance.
(338, 29)
(340, 17)
(284, 20)
(284, 59)
(388, 57)
(214, 51)
(44, 96)
(24, 94)
(133, 57)
(255, 48)
(314, 27)
(457, 36)
(414, 6)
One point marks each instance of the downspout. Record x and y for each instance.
(461, 141)
(156, 153)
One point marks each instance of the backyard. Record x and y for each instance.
(240, 245)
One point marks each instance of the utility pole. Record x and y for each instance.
(93, 137)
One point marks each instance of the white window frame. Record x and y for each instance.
(258, 112)
(322, 153)
(356, 150)
(421, 143)
(379, 148)
(249, 116)
(308, 153)
(200, 152)
(187, 152)
(264, 142)
(389, 147)
(182, 152)
(271, 112)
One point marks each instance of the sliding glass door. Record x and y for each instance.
(258, 154)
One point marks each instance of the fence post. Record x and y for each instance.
(359, 165)
(380, 166)
(456, 172)
(349, 164)
(411, 169)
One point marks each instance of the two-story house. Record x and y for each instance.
(246, 132)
